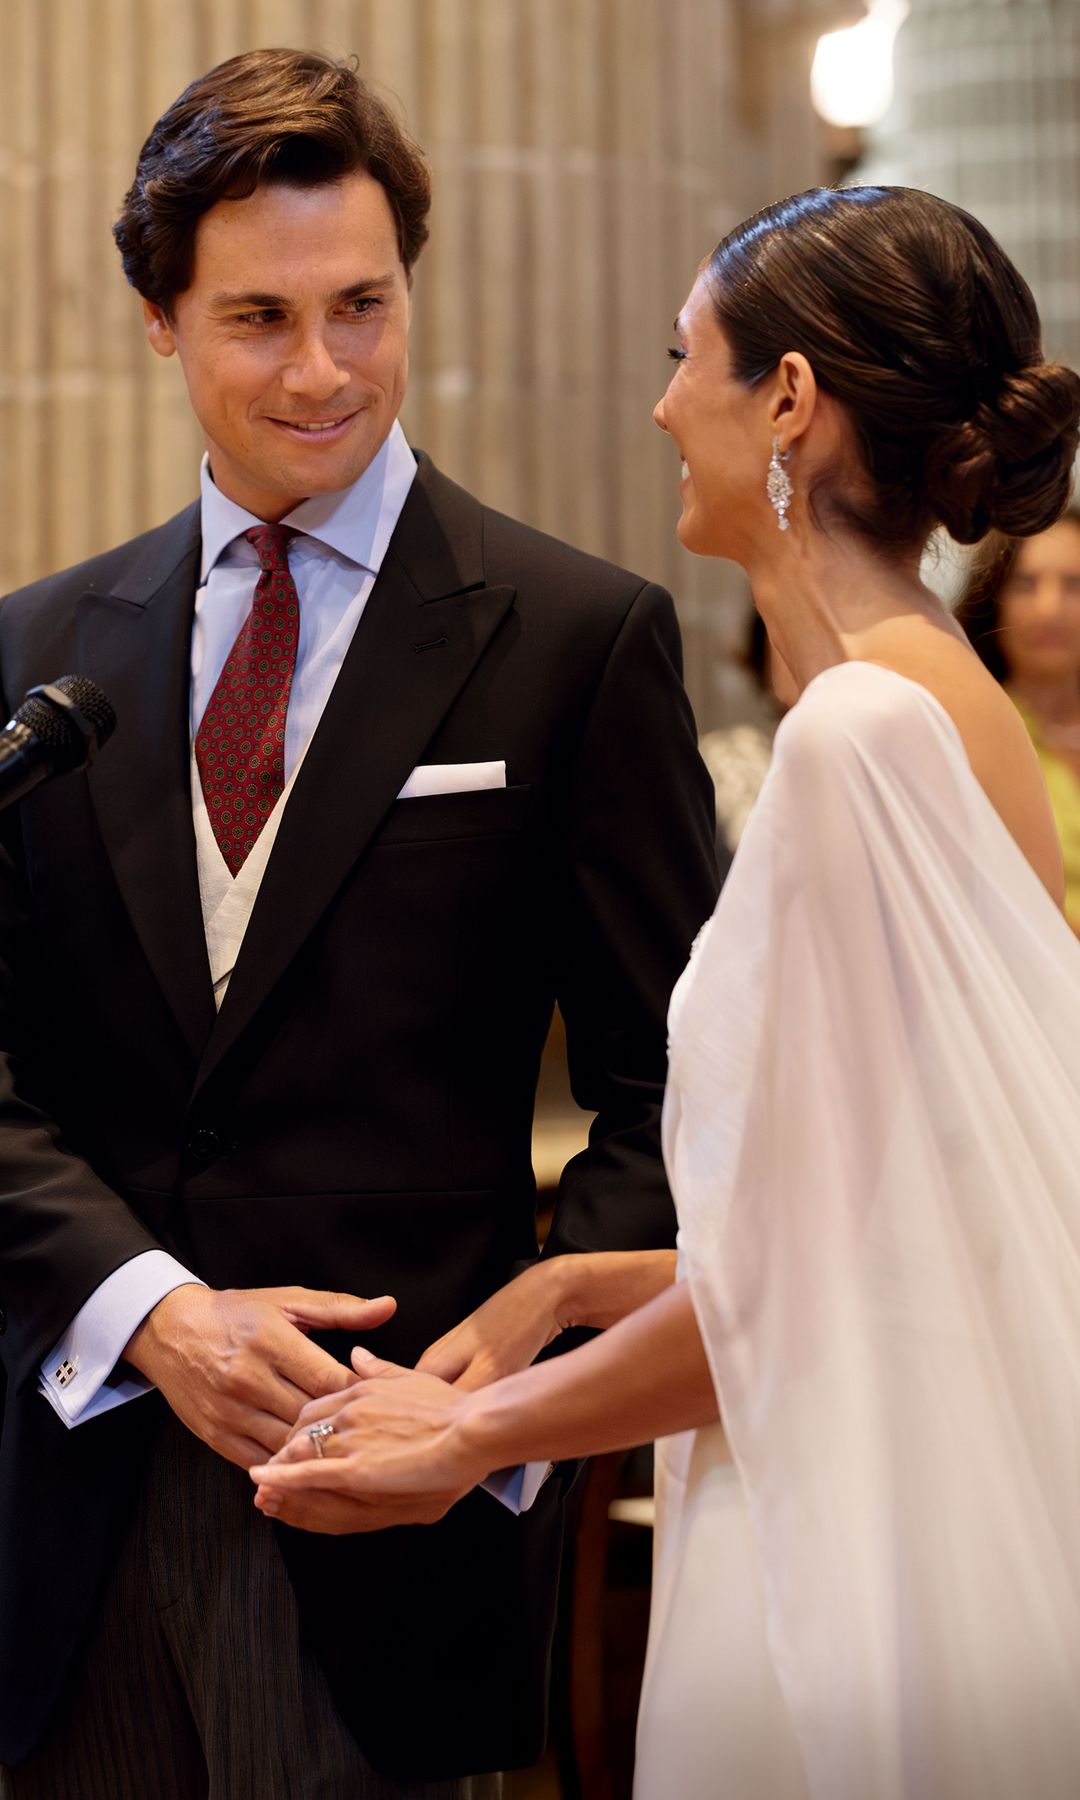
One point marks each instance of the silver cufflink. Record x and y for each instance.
(67, 1371)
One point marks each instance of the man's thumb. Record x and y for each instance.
(323, 1311)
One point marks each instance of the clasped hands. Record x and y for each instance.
(238, 1369)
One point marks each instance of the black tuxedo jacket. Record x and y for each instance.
(358, 1115)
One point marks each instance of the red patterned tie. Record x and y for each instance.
(240, 745)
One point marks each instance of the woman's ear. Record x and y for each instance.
(794, 398)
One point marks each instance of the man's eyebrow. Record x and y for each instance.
(379, 282)
(223, 301)
(226, 301)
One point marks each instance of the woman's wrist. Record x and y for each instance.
(563, 1286)
(599, 1288)
(482, 1429)
(580, 1285)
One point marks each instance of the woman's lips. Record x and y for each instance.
(1051, 639)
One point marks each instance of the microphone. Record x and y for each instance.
(54, 731)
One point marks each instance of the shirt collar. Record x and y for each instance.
(357, 522)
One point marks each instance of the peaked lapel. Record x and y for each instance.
(135, 640)
(426, 624)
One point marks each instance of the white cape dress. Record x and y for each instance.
(872, 1131)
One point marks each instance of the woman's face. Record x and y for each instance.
(1039, 609)
(716, 424)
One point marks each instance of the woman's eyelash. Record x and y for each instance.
(677, 355)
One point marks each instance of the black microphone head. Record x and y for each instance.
(94, 705)
(46, 721)
(70, 716)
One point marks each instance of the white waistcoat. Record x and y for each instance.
(227, 900)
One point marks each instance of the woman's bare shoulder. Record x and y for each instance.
(994, 738)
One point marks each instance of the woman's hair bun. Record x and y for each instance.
(1010, 465)
(912, 316)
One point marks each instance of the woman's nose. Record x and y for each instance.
(1048, 598)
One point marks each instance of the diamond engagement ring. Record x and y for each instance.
(318, 1434)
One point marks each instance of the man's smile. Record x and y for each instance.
(316, 431)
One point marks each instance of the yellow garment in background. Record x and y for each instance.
(1063, 788)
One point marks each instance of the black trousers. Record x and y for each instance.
(196, 1685)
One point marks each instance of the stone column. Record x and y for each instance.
(583, 154)
(987, 114)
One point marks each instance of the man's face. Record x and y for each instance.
(294, 339)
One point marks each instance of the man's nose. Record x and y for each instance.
(312, 371)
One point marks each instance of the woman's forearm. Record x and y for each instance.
(508, 1330)
(602, 1287)
(645, 1377)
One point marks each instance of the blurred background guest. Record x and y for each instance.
(1021, 610)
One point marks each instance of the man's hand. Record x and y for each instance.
(235, 1365)
(341, 1515)
(394, 1456)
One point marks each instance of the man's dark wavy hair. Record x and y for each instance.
(270, 116)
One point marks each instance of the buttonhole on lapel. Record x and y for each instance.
(432, 644)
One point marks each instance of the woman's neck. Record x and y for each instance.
(823, 601)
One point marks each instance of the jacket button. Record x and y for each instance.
(204, 1144)
(3, 1320)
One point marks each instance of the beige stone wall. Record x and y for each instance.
(586, 154)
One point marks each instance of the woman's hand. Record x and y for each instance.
(508, 1331)
(395, 1456)
(406, 1443)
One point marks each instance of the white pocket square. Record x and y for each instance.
(453, 778)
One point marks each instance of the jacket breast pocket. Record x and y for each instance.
(434, 818)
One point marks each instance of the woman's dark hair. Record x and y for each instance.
(277, 116)
(914, 318)
(979, 608)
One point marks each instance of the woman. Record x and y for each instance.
(1021, 610)
(873, 1117)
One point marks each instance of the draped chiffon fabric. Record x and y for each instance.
(872, 1130)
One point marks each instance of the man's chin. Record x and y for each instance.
(272, 488)
(307, 477)
(324, 467)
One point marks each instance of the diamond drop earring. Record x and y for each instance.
(778, 484)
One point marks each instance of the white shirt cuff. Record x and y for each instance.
(79, 1379)
(517, 1488)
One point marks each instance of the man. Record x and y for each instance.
(386, 782)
